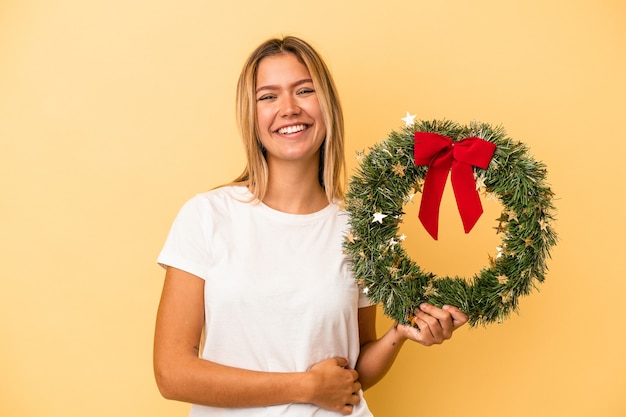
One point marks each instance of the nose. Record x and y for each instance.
(289, 106)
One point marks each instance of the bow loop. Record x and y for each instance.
(442, 155)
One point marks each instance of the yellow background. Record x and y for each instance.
(113, 113)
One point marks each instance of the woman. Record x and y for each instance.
(260, 314)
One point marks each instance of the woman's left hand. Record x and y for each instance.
(434, 325)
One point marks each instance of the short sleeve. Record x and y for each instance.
(364, 301)
(187, 246)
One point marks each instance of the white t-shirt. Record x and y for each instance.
(279, 291)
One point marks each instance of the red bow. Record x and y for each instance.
(440, 153)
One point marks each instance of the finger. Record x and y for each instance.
(355, 375)
(459, 318)
(441, 329)
(443, 317)
(439, 313)
(342, 362)
(346, 409)
(424, 335)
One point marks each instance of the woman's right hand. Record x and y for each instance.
(336, 387)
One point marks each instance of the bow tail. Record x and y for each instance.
(434, 184)
(466, 195)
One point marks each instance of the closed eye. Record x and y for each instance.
(266, 97)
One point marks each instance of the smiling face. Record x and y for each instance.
(290, 121)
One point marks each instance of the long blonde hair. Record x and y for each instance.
(332, 160)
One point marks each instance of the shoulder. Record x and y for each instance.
(341, 211)
(214, 204)
(336, 216)
(225, 196)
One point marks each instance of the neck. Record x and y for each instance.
(295, 189)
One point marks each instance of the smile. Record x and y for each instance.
(291, 129)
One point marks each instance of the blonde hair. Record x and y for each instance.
(332, 160)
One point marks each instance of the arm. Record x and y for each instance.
(435, 325)
(181, 375)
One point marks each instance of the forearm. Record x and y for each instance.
(198, 381)
(377, 357)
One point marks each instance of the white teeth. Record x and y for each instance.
(291, 129)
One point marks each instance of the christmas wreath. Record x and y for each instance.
(417, 159)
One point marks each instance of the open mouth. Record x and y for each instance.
(291, 129)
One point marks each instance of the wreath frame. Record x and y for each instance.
(382, 185)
